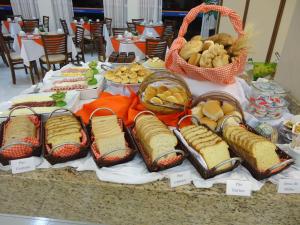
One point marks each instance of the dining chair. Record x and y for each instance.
(137, 21)
(79, 43)
(168, 36)
(8, 39)
(64, 26)
(131, 27)
(2, 53)
(30, 25)
(101, 50)
(108, 22)
(46, 23)
(119, 31)
(12, 17)
(170, 26)
(96, 33)
(16, 62)
(156, 48)
(55, 47)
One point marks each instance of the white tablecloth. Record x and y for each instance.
(32, 51)
(14, 28)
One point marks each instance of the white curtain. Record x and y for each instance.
(151, 10)
(62, 9)
(117, 10)
(27, 8)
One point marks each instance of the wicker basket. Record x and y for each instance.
(105, 159)
(22, 149)
(66, 151)
(157, 165)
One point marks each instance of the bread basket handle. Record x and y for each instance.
(102, 157)
(21, 107)
(203, 8)
(141, 113)
(281, 164)
(16, 143)
(62, 110)
(155, 161)
(235, 160)
(185, 117)
(60, 145)
(102, 109)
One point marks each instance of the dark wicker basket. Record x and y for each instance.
(204, 172)
(36, 151)
(52, 159)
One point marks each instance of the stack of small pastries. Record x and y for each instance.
(63, 129)
(155, 137)
(109, 136)
(132, 74)
(163, 94)
(209, 145)
(213, 112)
(19, 128)
(216, 51)
(255, 149)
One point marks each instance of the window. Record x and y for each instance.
(5, 9)
(92, 9)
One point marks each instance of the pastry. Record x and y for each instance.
(207, 44)
(227, 107)
(209, 145)
(208, 122)
(155, 62)
(194, 59)
(222, 38)
(155, 137)
(257, 150)
(220, 60)
(190, 48)
(212, 110)
(197, 38)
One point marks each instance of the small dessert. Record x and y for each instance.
(155, 63)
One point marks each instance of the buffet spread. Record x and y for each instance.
(166, 128)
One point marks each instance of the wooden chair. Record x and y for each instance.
(30, 25)
(137, 21)
(8, 39)
(168, 36)
(131, 27)
(64, 26)
(101, 50)
(170, 26)
(79, 43)
(108, 22)
(55, 47)
(119, 31)
(15, 62)
(96, 33)
(2, 53)
(156, 48)
(46, 23)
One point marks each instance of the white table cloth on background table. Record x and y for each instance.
(32, 51)
(14, 28)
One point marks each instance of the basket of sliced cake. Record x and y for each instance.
(65, 137)
(164, 92)
(260, 156)
(111, 140)
(156, 142)
(206, 150)
(20, 136)
(211, 109)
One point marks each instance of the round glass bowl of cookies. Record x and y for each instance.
(164, 92)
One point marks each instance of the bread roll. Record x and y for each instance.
(207, 44)
(190, 48)
(227, 107)
(212, 110)
(194, 59)
(197, 38)
(208, 122)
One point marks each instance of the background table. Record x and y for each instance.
(150, 30)
(32, 49)
(11, 28)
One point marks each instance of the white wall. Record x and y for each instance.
(288, 68)
(45, 8)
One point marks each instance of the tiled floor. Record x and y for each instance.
(24, 220)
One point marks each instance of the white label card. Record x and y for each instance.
(238, 187)
(22, 165)
(180, 178)
(289, 186)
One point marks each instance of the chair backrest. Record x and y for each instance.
(55, 44)
(131, 27)
(156, 48)
(3, 47)
(137, 21)
(12, 17)
(30, 25)
(108, 22)
(168, 36)
(64, 26)
(101, 50)
(79, 37)
(117, 31)
(46, 22)
(96, 29)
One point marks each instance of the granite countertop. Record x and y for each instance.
(68, 194)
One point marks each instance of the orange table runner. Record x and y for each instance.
(86, 26)
(7, 24)
(159, 29)
(36, 39)
(126, 107)
(140, 44)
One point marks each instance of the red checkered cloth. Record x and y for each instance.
(68, 150)
(222, 75)
(22, 151)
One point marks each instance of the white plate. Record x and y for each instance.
(147, 66)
